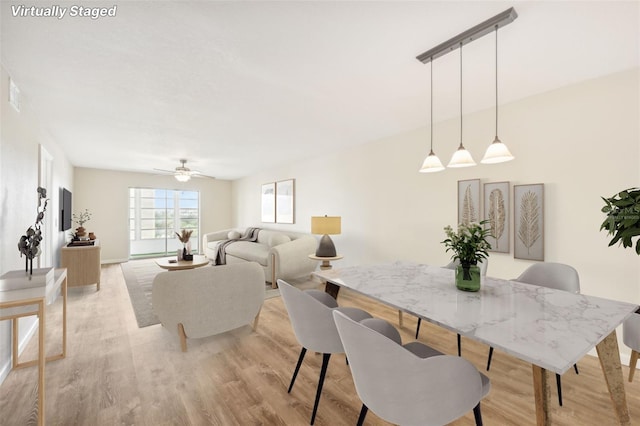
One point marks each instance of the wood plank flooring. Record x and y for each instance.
(117, 373)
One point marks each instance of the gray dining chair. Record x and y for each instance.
(408, 384)
(631, 338)
(310, 312)
(551, 275)
(453, 265)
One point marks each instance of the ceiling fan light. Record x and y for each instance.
(431, 164)
(497, 152)
(461, 158)
(182, 176)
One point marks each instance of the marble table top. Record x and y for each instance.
(552, 329)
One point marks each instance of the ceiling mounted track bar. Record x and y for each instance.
(500, 20)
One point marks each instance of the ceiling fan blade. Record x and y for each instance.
(186, 170)
(165, 171)
(200, 175)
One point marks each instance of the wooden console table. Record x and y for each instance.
(82, 263)
(22, 296)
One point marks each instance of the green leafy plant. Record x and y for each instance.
(623, 218)
(469, 244)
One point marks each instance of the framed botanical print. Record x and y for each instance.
(468, 201)
(268, 202)
(496, 214)
(528, 219)
(285, 201)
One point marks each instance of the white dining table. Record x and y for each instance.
(551, 329)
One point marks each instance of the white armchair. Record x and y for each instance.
(210, 300)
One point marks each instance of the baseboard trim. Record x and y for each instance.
(109, 261)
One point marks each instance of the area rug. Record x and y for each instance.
(139, 275)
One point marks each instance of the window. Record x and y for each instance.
(155, 215)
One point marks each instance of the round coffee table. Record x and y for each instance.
(197, 262)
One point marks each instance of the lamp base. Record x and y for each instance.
(326, 247)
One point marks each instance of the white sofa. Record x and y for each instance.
(210, 300)
(282, 254)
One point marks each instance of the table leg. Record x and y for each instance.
(609, 356)
(332, 289)
(14, 335)
(64, 316)
(63, 352)
(542, 395)
(41, 362)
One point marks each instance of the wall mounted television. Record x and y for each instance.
(65, 212)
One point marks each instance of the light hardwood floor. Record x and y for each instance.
(117, 373)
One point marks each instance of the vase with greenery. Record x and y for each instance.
(184, 236)
(623, 218)
(469, 246)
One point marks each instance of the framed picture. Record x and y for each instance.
(285, 198)
(269, 202)
(496, 213)
(528, 220)
(468, 201)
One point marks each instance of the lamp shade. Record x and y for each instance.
(325, 225)
(461, 158)
(497, 152)
(431, 164)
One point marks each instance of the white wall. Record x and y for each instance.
(581, 141)
(20, 136)
(106, 194)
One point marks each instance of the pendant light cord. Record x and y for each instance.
(496, 81)
(431, 109)
(461, 146)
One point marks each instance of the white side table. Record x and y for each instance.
(326, 261)
(330, 288)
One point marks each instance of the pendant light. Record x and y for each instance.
(462, 157)
(432, 163)
(497, 152)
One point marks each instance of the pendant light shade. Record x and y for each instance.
(432, 163)
(497, 152)
(462, 157)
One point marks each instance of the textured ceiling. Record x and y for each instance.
(237, 87)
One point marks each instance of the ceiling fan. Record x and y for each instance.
(182, 173)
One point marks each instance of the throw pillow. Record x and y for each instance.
(277, 239)
(234, 235)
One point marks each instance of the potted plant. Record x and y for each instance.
(623, 218)
(81, 219)
(469, 246)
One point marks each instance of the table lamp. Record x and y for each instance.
(325, 226)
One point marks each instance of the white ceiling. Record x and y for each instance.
(236, 87)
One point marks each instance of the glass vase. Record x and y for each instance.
(468, 277)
